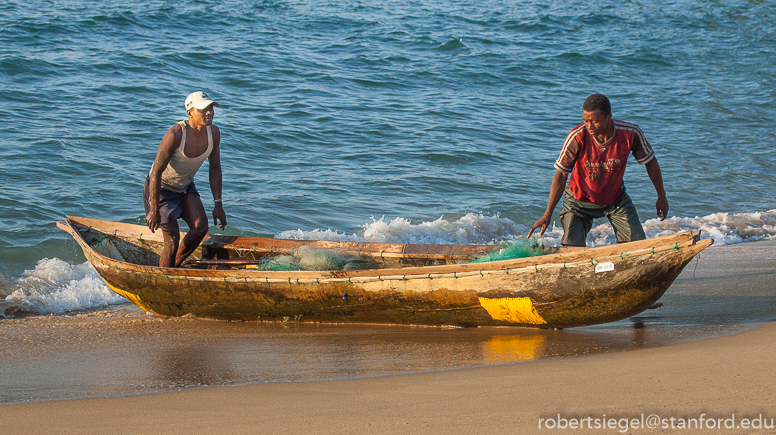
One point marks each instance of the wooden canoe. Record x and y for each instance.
(403, 283)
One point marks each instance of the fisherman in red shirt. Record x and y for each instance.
(593, 161)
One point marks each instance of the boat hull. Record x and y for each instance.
(553, 291)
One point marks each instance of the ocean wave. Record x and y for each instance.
(477, 228)
(56, 286)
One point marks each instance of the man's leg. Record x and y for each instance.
(195, 216)
(575, 229)
(172, 235)
(577, 220)
(625, 221)
(170, 230)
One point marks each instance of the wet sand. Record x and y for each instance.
(718, 377)
(728, 290)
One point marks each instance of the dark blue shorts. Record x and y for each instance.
(169, 201)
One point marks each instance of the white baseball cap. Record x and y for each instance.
(198, 100)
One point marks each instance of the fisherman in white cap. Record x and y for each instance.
(169, 192)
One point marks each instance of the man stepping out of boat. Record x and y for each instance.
(593, 161)
(169, 192)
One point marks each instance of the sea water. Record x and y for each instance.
(389, 121)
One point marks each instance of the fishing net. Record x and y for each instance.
(508, 250)
(106, 247)
(279, 263)
(307, 258)
(318, 259)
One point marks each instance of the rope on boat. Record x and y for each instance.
(481, 272)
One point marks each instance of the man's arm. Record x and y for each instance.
(170, 142)
(656, 176)
(556, 192)
(215, 176)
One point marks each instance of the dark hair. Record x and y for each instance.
(597, 102)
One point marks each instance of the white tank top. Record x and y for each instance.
(181, 169)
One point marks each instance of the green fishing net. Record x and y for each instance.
(508, 250)
(105, 247)
(279, 263)
(307, 258)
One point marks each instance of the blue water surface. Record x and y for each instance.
(337, 113)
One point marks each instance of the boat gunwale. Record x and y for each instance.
(520, 265)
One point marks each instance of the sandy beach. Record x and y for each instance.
(725, 384)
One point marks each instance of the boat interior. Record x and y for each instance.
(137, 245)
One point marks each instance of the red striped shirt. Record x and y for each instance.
(597, 169)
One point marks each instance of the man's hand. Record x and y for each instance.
(556, 191)
(219, 214)
(543, 222)
(153, 219)
(662, 208)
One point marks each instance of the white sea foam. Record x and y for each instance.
(474, 228)
(471, 228)
(327, 234)
(55, 286)
(724, 228)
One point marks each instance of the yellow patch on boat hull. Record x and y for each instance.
(513, 310)
(132, 298)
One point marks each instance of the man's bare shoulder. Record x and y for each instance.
(172, 139)
(176, 128)
(175, 132)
